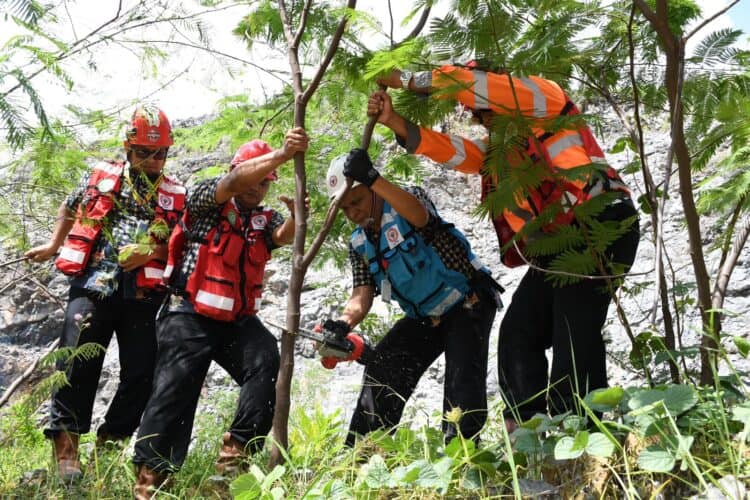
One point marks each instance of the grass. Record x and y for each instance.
(672, 440)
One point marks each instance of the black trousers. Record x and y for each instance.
(187, 344)
(569, 319)
(89, 318)
(408, 349)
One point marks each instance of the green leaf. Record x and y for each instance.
(599, 445)
(656, 459)
(680, 398)
(273, 476)
(376, 473)
(581, 441)
(604, 399)
(573, 423)
(527, 441)
(743, 346)
(677, 399)
(565, 449)
(245, 487)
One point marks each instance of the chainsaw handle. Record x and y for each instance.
(358, 347)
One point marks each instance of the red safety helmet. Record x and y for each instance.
(149, 126)
(252, 149)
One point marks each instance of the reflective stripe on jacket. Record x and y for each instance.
(227, 280)
(98, 201)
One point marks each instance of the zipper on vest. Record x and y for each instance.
(243, 260)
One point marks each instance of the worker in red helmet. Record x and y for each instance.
(112, 234)
(568, 319)
(217, 258)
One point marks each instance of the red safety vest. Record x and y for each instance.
(104, 183)
(227, 281)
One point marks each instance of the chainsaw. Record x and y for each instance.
(333, 348)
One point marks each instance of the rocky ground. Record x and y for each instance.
(31, 317)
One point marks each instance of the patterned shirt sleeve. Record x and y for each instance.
(360, 273)
(433, 220)
(75, 197)
(202, 198)
(276, 220)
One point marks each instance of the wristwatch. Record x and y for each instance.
(405, 79)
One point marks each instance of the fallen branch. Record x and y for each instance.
(30, 369)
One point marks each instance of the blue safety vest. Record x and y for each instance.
(406, 266)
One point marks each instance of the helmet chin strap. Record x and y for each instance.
(371, 219)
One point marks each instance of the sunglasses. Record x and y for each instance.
(156, 154)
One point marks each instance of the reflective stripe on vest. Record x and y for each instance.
(227, 280)
(97, 202)
(104, 183)
(213, 300)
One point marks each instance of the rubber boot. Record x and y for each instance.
(147, 482)
(66, 456)
(231, 456)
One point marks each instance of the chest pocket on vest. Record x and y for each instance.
(411, 273)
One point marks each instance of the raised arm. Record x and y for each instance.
(254, 170)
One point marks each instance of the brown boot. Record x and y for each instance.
(147, 482)
(231, 456)
(66, 456)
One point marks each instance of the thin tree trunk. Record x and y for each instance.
(674, 49)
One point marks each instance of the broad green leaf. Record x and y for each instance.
(743, 346)
(565, 449)
(680, 398)
(273, 476)
(580, 441)
(245, 487)
(376, 473)
(573, 423)
(654, 459)
(454, 448)
(534, 422)
(473, 479)
(527, 441)
(599, 445)
(604, 399)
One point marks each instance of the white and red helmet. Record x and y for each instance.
(335, 178)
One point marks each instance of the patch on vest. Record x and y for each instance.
(166, 202)
(259, 221)
(105, 185)
(393, 236)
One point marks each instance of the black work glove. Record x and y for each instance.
(339, 327)
(358, 166)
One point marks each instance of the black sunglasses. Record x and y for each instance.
(156, 154)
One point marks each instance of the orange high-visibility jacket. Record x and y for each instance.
(533, 98)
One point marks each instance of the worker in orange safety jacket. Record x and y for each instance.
(111, 234)
(567, 318)
(216, 262)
